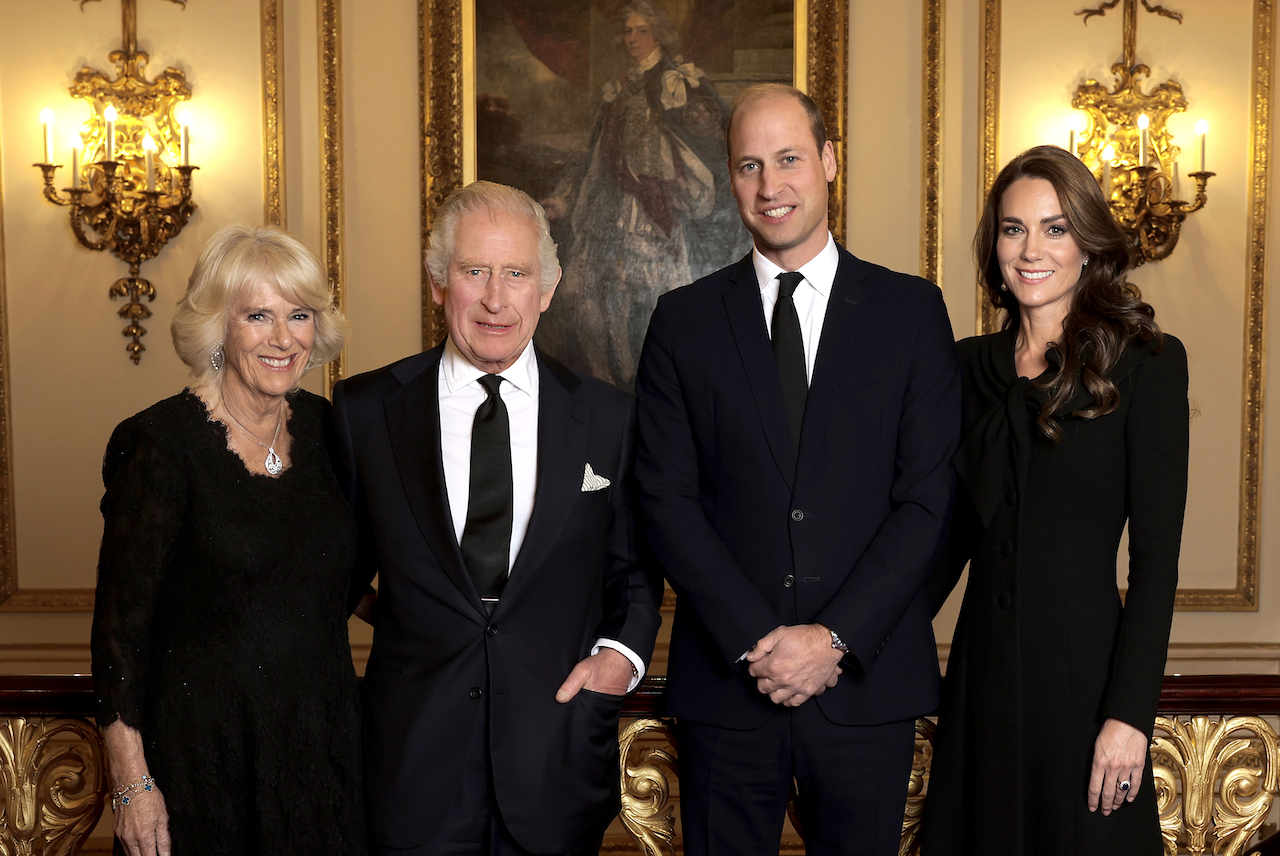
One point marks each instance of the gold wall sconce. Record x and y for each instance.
(1129, 148)
(131, 192)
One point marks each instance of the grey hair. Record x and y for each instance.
(664, 32)
(491, 198)
(236, 259)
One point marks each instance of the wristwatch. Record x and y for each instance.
(838, 643)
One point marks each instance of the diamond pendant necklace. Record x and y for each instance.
(273, 463)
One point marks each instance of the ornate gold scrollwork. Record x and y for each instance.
(647, 810)
(1237, 759)
(913, 817)
(53, 781)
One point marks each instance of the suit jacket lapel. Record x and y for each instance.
(746, 319)
(846, 307)
(562, 456)
(413, 422)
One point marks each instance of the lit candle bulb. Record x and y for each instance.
(184, 119)
(149, 146)
(110, 115)
(76, 144)
(46, 116)
(1143, 124)
(1202, 128)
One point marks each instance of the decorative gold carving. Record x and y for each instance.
(331, 167)
(53, 779)
(440, 103)
(827, 83)
(1244, 597)
(647, 810)
(931, 142)
(988, 314)
(272, 112)
(1212, 758)
(122, 208)
(913, 816)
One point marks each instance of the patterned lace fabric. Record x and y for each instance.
(220, 632)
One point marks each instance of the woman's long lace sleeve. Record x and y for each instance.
(142, 511)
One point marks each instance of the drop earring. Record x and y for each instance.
(218, 358)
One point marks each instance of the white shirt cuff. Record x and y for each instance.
(636, 662)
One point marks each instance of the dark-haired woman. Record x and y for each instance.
(1075, 422)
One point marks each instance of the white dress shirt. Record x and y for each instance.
(810, 296)
(460, 395)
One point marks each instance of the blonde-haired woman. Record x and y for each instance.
(226, 692)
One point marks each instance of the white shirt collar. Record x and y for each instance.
(650, 61)
(459, 371)
(819, 271)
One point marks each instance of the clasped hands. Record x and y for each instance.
(792, 664)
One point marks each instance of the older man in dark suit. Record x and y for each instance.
(798, 414)
(493, 489)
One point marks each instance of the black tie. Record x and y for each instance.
(486, 538)
(788, 350)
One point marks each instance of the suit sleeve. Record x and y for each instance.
(633, 583)
(897, 563)
(700, 566)
(343, 458)
(1157, 440)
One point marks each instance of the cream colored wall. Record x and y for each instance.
(60, 322)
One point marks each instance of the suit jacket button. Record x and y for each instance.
(1011, 497)
(475, 692)
(1006, 549)
(788, 580)
(491, 630)
(1006, 600)
(797, 515)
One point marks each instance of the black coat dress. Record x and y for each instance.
(1045, 650)
(220, 633)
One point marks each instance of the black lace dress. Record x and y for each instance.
(220, 632)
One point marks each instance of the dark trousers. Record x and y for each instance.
(473, 825)
(852, 784)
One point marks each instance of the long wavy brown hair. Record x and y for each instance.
(1107, 312)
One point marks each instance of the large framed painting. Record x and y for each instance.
(612, 114)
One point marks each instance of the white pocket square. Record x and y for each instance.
(591, 481)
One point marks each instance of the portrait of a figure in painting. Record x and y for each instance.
(612, 114)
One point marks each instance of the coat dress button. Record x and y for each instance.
(797, 515)
(1006, 600)
(475, 692)
(1006, 549)
(491, 630)
(789, 580)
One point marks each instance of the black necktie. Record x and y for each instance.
(788, 350)
(486, 538)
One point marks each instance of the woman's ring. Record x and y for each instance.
(1125, 785)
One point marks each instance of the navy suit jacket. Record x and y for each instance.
(753, 535)
(438, 656)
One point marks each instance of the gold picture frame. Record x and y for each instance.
(1244, 596)
(447, 71)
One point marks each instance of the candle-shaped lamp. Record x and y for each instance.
(1143, 124)
(76, 144)
(1202, 128)
(1108, 155)
(46, 117)
(149, 146)
(110, 115)
(184, 119)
